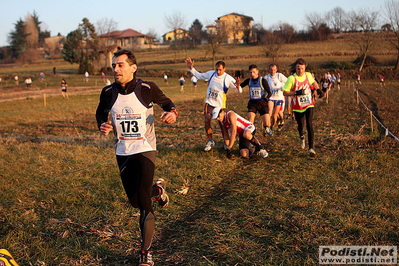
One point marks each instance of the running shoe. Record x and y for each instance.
(145, 258)
(209, 145)
(302, 142)
(312, 153)
(263, 153)
(269, 131)
(280, 126)
(163, 198)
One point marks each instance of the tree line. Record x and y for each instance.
(83, 45)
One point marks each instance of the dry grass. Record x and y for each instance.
(63, 204)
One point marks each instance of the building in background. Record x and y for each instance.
(171, 36)
(237, 27)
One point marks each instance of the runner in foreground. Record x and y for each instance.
(130, 102)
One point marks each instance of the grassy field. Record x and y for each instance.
(62, 201)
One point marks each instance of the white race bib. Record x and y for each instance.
(256, 93)
(304, 100)
(213, 95)
(130, 126)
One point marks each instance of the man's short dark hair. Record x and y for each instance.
(220, 63)
(252, 67)
(131, 58)
(272, 65)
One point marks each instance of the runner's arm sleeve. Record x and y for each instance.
(158, 97)
(289, 84)
(103, 107)
(199, 75)
(265, 85)
(245, 83)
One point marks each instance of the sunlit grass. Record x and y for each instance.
(63, 202)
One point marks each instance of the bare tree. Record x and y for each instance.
(314, 21)
(106, 25)
(391, 12)
(336, 18)
(174, 22)
(286, 32)
(350, 23)
(31, 30)
(153, 34)
(106, 44)
(271, 45)
(214, 43)
(365, 20)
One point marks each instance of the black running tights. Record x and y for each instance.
(300, 119)
(137, 173)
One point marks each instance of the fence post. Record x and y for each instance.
(371, 121)
(44, 98)
(357, 96)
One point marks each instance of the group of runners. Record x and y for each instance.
(328, 82)
(267, 96)
(129, 101)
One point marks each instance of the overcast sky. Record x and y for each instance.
(64, 16)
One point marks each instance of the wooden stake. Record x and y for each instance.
(371, 121)
(357, 97)
(44, 97)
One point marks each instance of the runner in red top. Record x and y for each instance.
(300, 85)
(238, 126)
(382, 80)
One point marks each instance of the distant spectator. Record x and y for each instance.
(28, 82)
(54, 70)
(41, 76)
(181, 80)
(194, 80)
(165, 78)
(358, 79)
(87, 76)
(16, 80)
(64, 88)
(103, 76)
